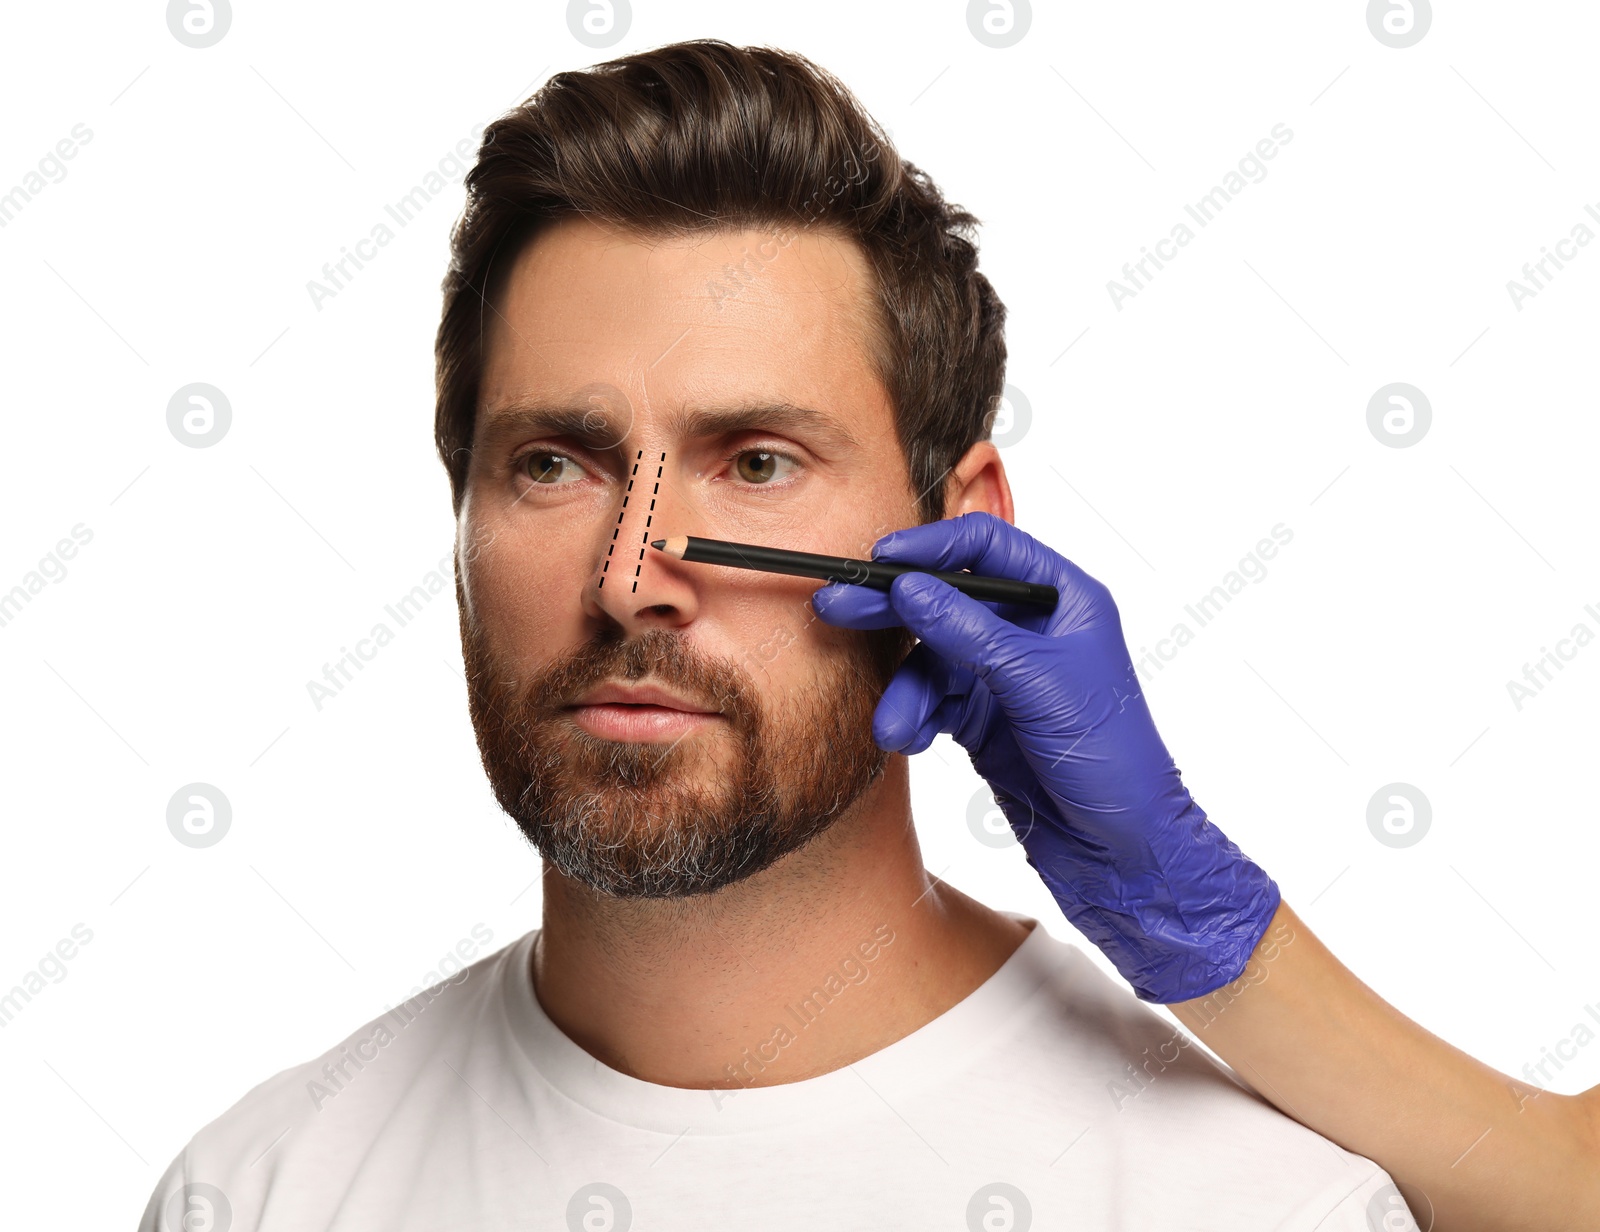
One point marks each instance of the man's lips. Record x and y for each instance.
(641, 695)
(639, 712)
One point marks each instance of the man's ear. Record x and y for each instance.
(978, 482)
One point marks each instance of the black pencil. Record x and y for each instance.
(877, 574)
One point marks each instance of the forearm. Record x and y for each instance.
(1488, 1152)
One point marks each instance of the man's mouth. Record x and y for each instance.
(640, 712)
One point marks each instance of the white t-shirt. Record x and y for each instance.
(1049, 1098)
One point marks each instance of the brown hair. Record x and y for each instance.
(703, 135)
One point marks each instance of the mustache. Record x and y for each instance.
(659, 654)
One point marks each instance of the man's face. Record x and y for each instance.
(637, 388)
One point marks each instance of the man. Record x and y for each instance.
(695, 292)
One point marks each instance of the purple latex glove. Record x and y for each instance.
(1050, 711)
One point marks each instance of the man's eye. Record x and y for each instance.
(759, 466)
(545, 467)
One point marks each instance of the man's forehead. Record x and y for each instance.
(583, 286)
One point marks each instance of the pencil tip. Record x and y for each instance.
(659, 545)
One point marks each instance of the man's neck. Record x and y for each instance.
(833, 953)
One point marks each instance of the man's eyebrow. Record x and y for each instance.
(595, 423)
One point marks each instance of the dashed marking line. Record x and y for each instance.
(616, 530)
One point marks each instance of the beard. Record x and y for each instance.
(641, 819)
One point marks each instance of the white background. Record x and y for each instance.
(1167, 438)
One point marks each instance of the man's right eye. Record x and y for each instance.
(543, 466)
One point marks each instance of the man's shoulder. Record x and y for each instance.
(1141, 1086)
(1125, 1048)
(345, 1093)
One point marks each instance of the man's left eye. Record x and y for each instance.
(760, 466)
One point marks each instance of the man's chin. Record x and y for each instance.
(658, 844)
(668, 832)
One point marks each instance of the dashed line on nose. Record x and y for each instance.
(616, 531)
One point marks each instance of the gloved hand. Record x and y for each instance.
(1050, 711)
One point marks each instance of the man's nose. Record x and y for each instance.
(634, 584)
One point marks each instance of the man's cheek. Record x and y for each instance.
(767, 650)
(521, 589)
(473, 541)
